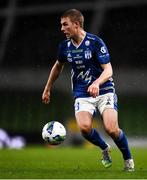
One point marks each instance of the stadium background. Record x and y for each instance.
(29, 37)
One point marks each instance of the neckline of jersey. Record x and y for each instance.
(77, 46)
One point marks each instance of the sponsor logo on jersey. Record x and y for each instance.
(87, 43)
(69, 57)
(77, 50)
(89, 37)
(79, 62)
(85, 76)
(103, 49)
(81, 67)
(78, 56)
(88, 54)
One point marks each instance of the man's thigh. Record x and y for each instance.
(84, 120)
(110, 119)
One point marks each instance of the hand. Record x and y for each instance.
(46, 96)
(93, 90)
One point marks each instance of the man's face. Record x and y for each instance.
(68, 27)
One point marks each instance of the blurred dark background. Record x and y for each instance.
(29, 37)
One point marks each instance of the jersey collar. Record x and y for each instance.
(77, 46)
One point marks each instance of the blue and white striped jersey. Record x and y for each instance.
(86, 60)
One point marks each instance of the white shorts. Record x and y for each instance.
(100, 103)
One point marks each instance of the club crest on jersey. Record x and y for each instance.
(88, 54)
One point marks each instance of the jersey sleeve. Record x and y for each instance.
(61, 56)
(102, 53)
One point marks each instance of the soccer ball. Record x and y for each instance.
(54, 133)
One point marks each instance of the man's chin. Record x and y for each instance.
(67, 36)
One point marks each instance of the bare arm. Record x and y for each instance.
(93, 89)
(55, 71)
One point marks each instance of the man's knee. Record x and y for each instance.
(85, 129)
(113, 132)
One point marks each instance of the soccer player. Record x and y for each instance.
(92, 84)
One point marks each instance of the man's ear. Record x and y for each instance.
(77, 23)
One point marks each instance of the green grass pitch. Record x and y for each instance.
(67, 163)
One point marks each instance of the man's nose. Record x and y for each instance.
(62, 28)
